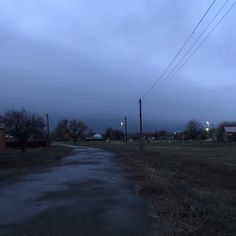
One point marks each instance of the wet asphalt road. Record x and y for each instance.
(86, 193)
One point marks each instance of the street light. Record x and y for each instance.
(208, 128)
(124, 123)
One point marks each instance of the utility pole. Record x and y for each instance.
(126, 133)
(140, 124)
(48, 131)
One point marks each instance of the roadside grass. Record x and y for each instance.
(191, 186)
(14, 162)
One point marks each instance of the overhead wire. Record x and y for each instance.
(180, 50)
(177, 69)
(194, 43)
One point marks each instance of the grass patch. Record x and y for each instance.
(192, 186)
(14, 162)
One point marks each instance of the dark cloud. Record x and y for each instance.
(94, 59)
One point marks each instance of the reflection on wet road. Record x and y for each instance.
(84, 194)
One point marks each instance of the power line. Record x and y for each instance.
(181, 49)
(197, 48)
(194, 43)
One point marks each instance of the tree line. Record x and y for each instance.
(25, 126)
(195, 130)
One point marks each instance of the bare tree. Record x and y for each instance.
(113, 134)
(75, 129)
(60, 132)
(194, 129)
(22, 125)
(108, 133)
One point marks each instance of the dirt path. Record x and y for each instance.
(84, 194)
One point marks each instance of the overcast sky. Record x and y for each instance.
(93, 59)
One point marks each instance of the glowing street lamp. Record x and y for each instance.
(124, 124)
(207, 128)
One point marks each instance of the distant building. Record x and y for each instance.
(2, 134)
(229, 133)
(95, 137)
(167, 136)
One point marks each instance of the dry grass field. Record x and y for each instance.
(14, 162)
(191, 186)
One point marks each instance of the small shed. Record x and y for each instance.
(230, 133)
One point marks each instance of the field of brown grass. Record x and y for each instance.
(191, 186)
(14, 162)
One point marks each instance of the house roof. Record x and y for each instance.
(230, 129)
(97, 136)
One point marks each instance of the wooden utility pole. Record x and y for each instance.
(48, 130)
(126, 133)
(140, 125)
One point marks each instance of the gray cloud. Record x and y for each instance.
(94, 59)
